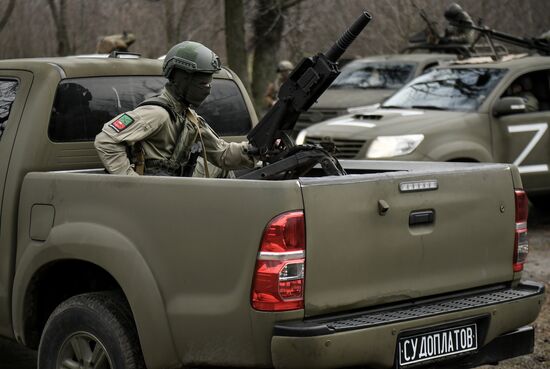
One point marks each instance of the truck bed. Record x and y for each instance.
(198, 239)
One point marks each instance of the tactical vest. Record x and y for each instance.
(180, 163)
(170, 167)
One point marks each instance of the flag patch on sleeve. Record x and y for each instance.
(121, 123)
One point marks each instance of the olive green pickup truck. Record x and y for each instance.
(395, 265)
(476, 110)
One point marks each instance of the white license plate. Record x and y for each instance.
(437, 344)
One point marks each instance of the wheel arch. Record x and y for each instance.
(453, 151)
(463, 160)
(100, 258)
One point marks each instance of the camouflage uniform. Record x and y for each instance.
(522, 87)
(531, 102)
(283, 70)
(163, 134)
(456, 34)
(165, 143)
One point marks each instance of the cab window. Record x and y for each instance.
(8, 89)
(83, 105)
(225, 110)
(534, 88)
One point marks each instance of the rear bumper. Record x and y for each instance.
(509, 345)
(369, 338)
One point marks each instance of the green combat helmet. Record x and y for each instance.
(284, 65)
(191, 57)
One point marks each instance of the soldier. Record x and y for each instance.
(545, 36)
(523, 87)
(283, 71)
(164, 134)
(455, 34)
(118, 42)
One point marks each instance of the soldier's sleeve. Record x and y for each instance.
(125, 130)
(270, 95)
(531, 102)
(226, 155)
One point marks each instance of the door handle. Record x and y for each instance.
(421, 217)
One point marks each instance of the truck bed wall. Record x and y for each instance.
(197, 240)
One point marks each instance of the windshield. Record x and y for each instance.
(385, 75)
(448, 89)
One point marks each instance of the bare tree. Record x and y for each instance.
(58, 10)
(235, 40)
(7, 14)
(268, 24)
(175, 12)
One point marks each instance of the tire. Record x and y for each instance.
(91, 331)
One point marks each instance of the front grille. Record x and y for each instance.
(346, 149)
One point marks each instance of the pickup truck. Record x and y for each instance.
(461, 112)
(368, 81)
(395, 265)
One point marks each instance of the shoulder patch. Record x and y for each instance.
(121, 123)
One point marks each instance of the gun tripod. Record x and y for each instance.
(297, 162)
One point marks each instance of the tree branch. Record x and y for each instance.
(7, 14)
(54, 11)
(289, 4)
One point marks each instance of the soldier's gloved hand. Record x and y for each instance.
(252, 151)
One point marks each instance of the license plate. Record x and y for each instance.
(437, 344)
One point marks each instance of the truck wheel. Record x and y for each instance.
(91, 331)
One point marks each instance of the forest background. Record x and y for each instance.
(250, 36)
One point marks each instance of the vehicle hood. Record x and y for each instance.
(371, 123)
(349, 98)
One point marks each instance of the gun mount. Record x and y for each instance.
(540, 45)
(281, 158)
(452, 40)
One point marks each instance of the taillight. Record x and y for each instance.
(279, 276)
(521, 244)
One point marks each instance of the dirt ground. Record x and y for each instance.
(13, 356)
(537, 269)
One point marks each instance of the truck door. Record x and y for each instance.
(524, 138)
(14, 88)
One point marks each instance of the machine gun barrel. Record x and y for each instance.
(311, 77)
(541, 46)
(340, 46)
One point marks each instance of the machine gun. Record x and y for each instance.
(281, 158)
(430, 34)
(541, 45)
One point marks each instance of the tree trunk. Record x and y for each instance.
(7, 14)
(268, 29)
(235, 43)
(59, 15)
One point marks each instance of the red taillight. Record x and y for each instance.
(279, 276)
(521, 243)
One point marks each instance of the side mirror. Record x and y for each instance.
(509, 105)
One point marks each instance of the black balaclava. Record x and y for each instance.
(191, 89)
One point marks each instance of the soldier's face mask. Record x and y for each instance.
(199, 88)
(192, 88)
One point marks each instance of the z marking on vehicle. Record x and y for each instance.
(540, 128)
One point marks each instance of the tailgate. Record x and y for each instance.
(357, 257)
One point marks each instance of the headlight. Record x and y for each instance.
(301, 137)
(390, 146)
